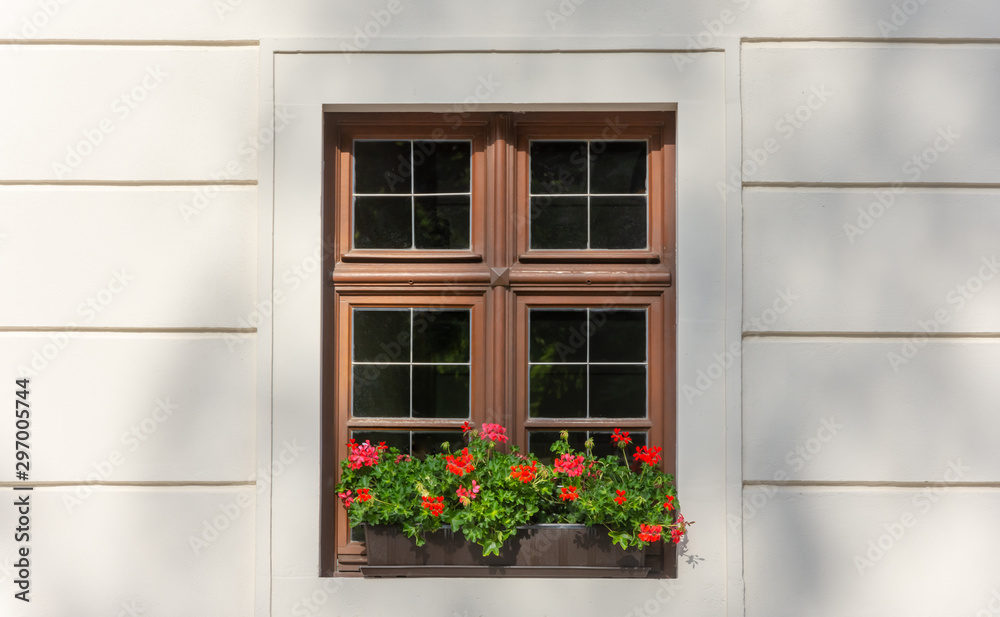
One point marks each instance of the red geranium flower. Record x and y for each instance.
(568, 493)
(363, 455)
(649, 533)
(669, 503)
(619, 437)
(494, 432)
(569, 465)
(676, 535)
(364, 495)
(461, 464)
(621, 499)
(346, 498)
(466, 427)
(524, 473)
(434, 505)
(650, 456)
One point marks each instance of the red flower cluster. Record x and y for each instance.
(650, 456)
(524, 473)
(466, 495)
(669, 503)
(494, 432)
(649, 533)
(435, 505)
(461, 464)
(466, 427)
(362, 455)
(568, 493)
(676, 535)
(621, 499)
(364, 495)
(347, 498)
(569, 465)
(621, 438)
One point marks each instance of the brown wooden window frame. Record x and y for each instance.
(499, 279)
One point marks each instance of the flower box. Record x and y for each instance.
(537, 550)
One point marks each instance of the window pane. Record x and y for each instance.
(618, 335)
(558, 222)
(429, 442)
(617, 167)
(558, 167)
(383, 223)
(440, 391)
(380, 391)
(442, 335)
(617, 391)
(381, 335)
(618, 222)
(557, 335)
(381, 167)
(442, 222)
(442, 167)
(557, 391)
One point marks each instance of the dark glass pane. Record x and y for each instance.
(441, 222)
(380, 391)
(603, 446)
(393, 439)
(617, 167)
(381, 167)
(558, 391)
(381, 335)
(440, 391)
(617, 336)
(442, 167)
(383, 223)
(557, 335)
(617, 391)
(429, 442)
(618, 222)
(558, 167)
(558, 222)
(540, 442)
(442, 335)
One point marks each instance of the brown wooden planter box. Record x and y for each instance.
(541, 550)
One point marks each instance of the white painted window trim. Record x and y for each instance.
(304, 77)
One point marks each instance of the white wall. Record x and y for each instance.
(134, 266)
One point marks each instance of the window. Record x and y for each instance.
(511, 268)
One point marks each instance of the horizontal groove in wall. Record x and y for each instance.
(134, 42)
(871, 185)
(154, 483)
(869, 484)
(872, 335)
(867, 41)
(526, 49)
(177, 183)
(132, 330)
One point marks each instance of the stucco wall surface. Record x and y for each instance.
(852, 261)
